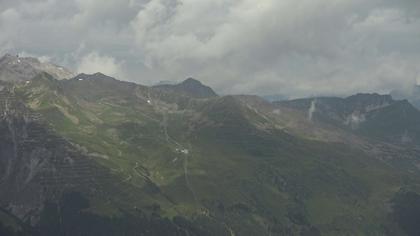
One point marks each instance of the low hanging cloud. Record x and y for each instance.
(291, 47)
(93, 63)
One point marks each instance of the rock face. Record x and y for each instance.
(190, 87)
(35, 164)
(371, 115)
(15, 69)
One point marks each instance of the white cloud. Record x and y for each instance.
(294, 47)
(267, 46)
(9, 16)
(93, 62)
(42, 58)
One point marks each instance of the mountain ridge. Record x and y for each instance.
(15, 68)
(364, 113)
(160, 162)
(190, 87)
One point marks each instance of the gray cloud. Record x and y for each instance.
(292, 47)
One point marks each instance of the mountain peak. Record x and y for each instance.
(99, 74)
(192, 81)
(190, 87)
(95, 76)
(14, 68)
(7, 58)
(370, 97)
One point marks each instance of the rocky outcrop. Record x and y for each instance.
(16, 69)
(36, 165)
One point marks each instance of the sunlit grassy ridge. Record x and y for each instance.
(223, 162)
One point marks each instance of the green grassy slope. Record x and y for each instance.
(221, 163)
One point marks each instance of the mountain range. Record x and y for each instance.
(93, 155)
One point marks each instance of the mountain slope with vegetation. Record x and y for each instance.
(130, 159)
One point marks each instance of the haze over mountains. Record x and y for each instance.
(92, 155)
(412, 94)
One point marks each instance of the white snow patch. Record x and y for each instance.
(355, 119)
(183, 151)
(98, 155)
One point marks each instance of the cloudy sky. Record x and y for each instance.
(291, 47)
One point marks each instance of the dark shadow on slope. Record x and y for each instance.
(70, 217)
(406, 212)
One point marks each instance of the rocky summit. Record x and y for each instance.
(15, 68)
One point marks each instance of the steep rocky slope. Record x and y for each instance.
(15, 68)
(371, 115)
